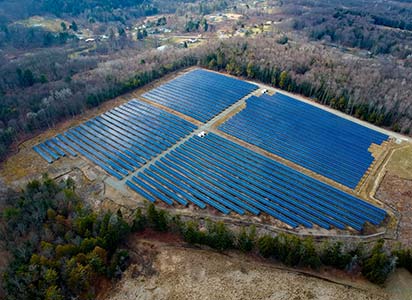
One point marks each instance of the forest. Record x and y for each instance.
(61, 249)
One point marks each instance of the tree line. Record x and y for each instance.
(66, 102)
(61, 249)
(75, 7)
(22, 37)
(38, 95)
(376, 264)
(237, 62)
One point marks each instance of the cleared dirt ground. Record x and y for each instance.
(395, 190)
(177, 273)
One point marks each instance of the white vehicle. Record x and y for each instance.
(201, 134)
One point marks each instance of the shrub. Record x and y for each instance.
(377, 266)
(191, 233)
(333, 255)
(218, 236)
(157, 218)
(139, 221)
(266, 246)
(246, 240)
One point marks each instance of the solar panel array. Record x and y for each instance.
(120, 140)
(217, 172)
(306, 135)
(200, 94)
(213, 171)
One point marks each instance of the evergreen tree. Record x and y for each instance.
(284, 80)
(218, 236)
(309, 256)
(333, 255)
(378, 266)
(140, 35)
(246, 239)
(266, 245)
(139, 221)
(157, 219)
(74, 26)
(250, 70)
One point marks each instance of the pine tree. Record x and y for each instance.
(74, 26)
(284, 80)
(377, 267)
(266, 245)
(246, 240)
(250, 70)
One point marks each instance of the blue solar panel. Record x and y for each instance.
(55, 148)
(120, 140)
(48, 151)
(216, 171)
(200, 94)
(43, 154)
(219, 173)
(306, 135)
(64, 147)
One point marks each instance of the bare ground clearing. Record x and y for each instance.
(395, 190)
(176, 272)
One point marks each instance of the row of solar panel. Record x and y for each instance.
(228, 177)
(52, 150)
(314, 122)
(356, 135)
(344, 124)
(120, 140)
(174, 99)
(306, 135)
(200, 94)
(311, 158)
(312, 125)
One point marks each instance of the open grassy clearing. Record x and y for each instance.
(401, 162)
(174, 272)
(52, 24)
(223, 17)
